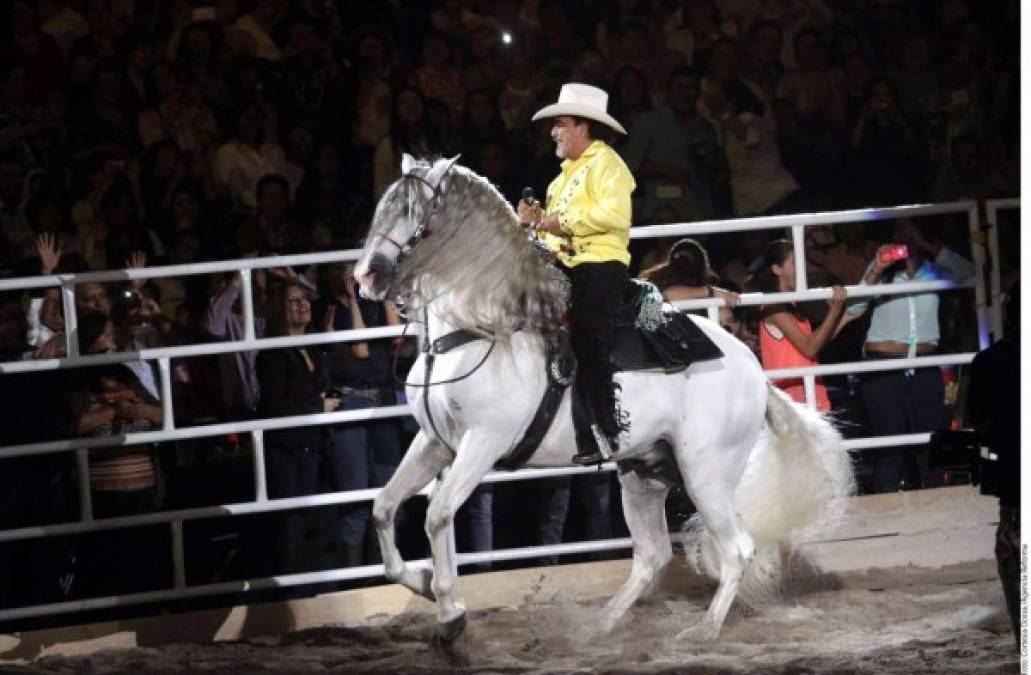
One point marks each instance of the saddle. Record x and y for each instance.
(656, 338)
(653, 336)
(659, 337)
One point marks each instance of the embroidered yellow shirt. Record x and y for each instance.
(591, 197)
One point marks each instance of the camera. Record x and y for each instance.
(126, 306)
(965, 450)
(895, 253)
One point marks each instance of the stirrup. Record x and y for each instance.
(591, 459)
(603, 450)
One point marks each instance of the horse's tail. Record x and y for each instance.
(793, 488)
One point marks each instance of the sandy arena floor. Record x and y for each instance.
(901, 620)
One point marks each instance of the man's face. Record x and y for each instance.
(683, 94)
(93, 297)
(568, 136)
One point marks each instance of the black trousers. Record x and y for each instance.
(597, 303)
(899, 403)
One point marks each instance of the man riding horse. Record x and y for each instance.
(586, 222)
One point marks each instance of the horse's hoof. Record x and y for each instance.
(451, 630)
(704, 631)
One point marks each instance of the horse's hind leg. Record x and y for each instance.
(713, 496)
(474, 459)
(424, 459)
(644, 501)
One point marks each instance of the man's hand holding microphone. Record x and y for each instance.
(531, 215)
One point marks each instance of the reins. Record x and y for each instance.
(428, 351)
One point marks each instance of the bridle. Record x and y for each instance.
(422, 229)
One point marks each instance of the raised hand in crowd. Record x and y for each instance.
(136, 260)
(878, 265)
(49, 251)
(909, 233)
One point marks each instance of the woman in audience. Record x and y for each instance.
(292, 382)
(786, 337)
(686, 275)
(362, 455)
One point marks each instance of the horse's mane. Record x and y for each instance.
(474, 254)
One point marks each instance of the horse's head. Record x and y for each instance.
(401, 220)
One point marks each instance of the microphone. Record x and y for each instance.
(528, 196)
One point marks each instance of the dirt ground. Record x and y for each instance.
(899, 620)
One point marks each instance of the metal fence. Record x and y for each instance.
(256, 428)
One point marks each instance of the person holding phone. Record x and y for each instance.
(905, 401)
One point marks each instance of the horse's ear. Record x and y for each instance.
(407, 163)
(440, 169)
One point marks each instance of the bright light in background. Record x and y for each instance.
(506, 37)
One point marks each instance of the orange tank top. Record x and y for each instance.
(779, 352)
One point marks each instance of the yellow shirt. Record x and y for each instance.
(592, 200)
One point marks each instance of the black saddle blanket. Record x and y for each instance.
(672, 347)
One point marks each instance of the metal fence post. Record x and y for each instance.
(247, 304)
(165, 372)
(71, 323)
(980, 296)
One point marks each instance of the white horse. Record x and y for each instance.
(759, 468)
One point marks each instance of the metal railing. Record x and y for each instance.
(992, 208)
(256, 428)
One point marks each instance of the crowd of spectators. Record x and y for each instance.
(170, 132)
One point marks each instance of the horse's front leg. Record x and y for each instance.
(474, 459)
(424, 460)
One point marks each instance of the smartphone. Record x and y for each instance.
(897, 252)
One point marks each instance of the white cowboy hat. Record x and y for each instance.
(581, 100)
